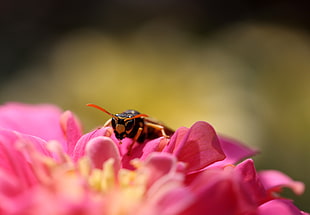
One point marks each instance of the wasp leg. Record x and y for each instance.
(134, 140)
(157, 127)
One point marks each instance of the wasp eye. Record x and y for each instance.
(129, 124)
(113, 123)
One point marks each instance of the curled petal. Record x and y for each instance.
(274, 180)
(101, 149)
(176, 139)
(199, 146)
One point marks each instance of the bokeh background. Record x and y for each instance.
(243, 66)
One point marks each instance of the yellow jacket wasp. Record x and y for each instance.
(134, 125)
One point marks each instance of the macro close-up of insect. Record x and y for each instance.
(132, 124)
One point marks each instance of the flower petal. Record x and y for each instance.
(139, 150)
(176, 200)
(273, 180)
(165, 184)
(278, 206)
(219, 191)
(14, 138)
(250, 180)
(79, 149)
(13, 162)
(101, 149)
(234, 151)
(198, 147)
(160, 164)
(37, 120)
(176, 139)
(72, 130)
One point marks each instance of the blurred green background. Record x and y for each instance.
(243, 66)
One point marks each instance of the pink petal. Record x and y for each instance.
(125, 143)
(165, 184)
(176, 201)
(79, 149)
(198, 147)
(13, 138)
(234, 151)
(279, 206)
(13, 162)
(273, 180)
(100, 149)
(136, 150)
(9, 185)
(37, 120)
(160, 164)
(139, 150)
(176, 139)
(72, 130)
(220, 192)
(155, 145)
(250, 180)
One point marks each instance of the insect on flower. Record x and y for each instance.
(132, 124)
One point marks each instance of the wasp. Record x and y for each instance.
(132, 124)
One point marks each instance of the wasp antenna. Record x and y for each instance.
(102, 109)
(136, 116)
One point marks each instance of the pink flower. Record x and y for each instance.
(48, 167)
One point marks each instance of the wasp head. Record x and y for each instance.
(124, 124)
